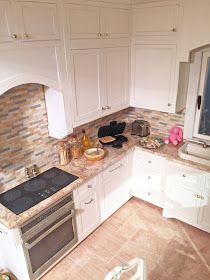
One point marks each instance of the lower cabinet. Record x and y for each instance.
(87, 208)
(148, 179)
(204, 212)
(115, 186)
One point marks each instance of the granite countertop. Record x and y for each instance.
(85, 170)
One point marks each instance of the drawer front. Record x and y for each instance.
(150, 195)
(87, 187)
(147, 161)
(149, 179)
(119, 170)
(177, 175)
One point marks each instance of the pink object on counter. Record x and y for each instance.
(176, 136)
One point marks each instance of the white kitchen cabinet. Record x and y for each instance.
(38, 21)
(91, 22)
(87, 208)
(155, 19)
(115, 23)
(115, 187)
(100, 79)
(116, 77)
(204, 211)
(83, 21)
(148, 172)
(86, 83)
(7, 31)
(153, 81)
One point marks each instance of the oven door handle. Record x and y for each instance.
(32, 244)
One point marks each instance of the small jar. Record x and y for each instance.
(76, 149)
(63, 153)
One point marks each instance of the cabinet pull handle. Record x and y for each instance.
(89, 202)
(14, 36)
(121, 165)
(199, 102)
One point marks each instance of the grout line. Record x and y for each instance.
(195, 248)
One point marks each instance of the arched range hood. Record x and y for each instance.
(43, 65)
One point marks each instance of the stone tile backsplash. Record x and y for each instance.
(24, 138)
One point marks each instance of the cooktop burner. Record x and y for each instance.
(30, 193)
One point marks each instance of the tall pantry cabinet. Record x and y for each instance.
(98, 56)
(155, 67)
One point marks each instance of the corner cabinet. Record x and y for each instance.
(100, 81)
(153, 70)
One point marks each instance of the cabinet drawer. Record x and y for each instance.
(87, 187)
(117, 170)
(180, 175)
(147, 161)
(148, 179)
(150, 195)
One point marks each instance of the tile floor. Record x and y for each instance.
(172, 250)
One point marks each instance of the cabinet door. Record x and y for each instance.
(155, 20)
(86, 81)
(6, 22)
(204, 212)
(184, 203)
(116, 188)
(83, 21)
(114, 23)
(87, 214)
(116, 69)
(38, 21)
(153, 76)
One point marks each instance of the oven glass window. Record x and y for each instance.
(54, 242)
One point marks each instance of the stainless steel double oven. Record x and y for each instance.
(48, 236)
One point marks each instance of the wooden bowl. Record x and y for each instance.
(91, 154)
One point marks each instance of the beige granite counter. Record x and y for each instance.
(85, 170)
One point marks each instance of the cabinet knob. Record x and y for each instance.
(149, 161)
(14, 36)
(149, 193)
(184, 175)
(99, 34)
(174, 29)
(149, 177)
(169, 104)
(25, 36)
(108, 107)
(103, 108)
(89, 186)
(106, 34)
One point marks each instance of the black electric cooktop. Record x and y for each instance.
(30, 193)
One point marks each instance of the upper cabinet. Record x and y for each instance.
(7, 32)
(155, 19)
(28, 21)
(38, 21)
(114, 22)
(91, 22)
(83, 21)
(153, 76)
